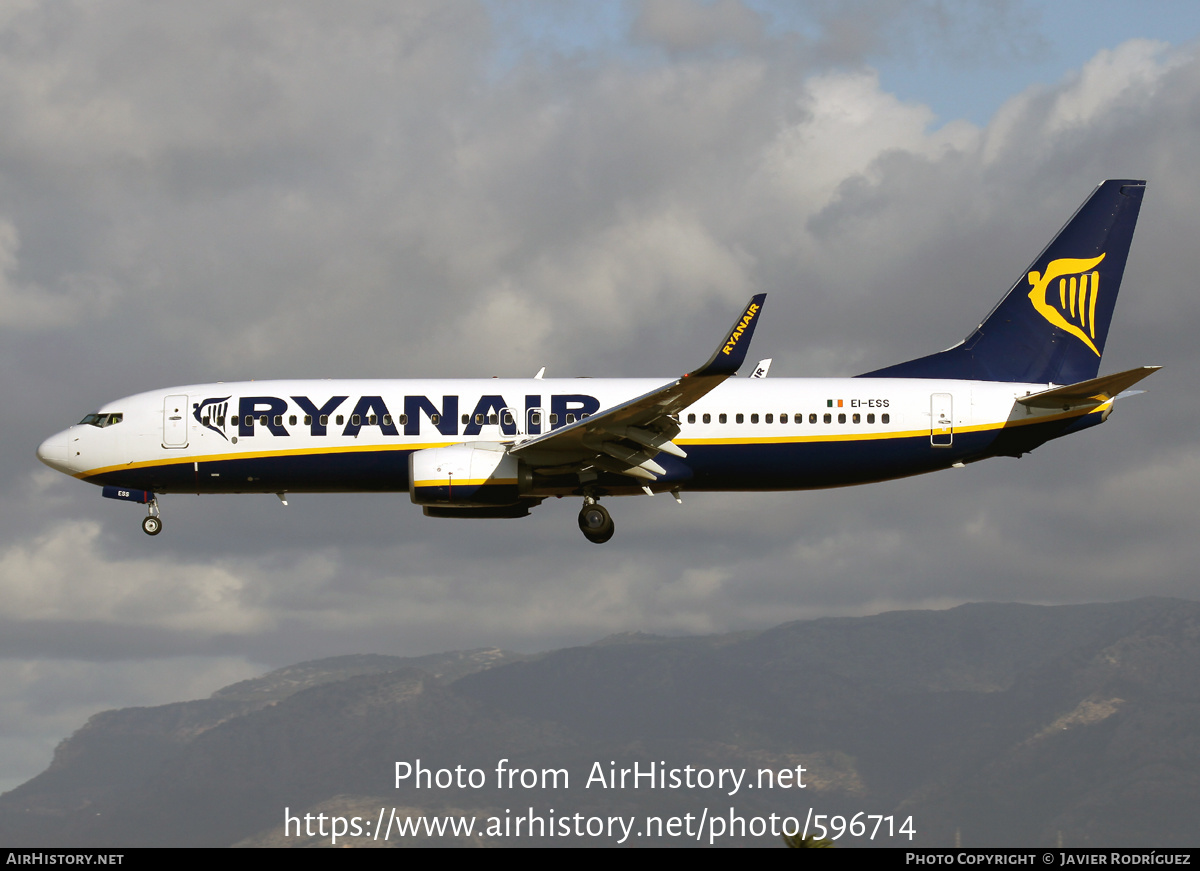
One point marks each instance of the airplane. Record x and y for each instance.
(497, 448)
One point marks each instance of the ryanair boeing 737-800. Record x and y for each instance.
(498, 448)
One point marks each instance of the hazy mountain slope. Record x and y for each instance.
(1005, 724)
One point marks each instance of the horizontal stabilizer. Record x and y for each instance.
(1096, 391)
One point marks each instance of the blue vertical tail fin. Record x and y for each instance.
(1052, 325)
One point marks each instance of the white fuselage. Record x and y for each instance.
(355, 435)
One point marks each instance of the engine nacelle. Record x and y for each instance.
(464, 475)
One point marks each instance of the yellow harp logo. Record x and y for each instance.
(1078, 287)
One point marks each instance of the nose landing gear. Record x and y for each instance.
(595, 522)
(152, 522)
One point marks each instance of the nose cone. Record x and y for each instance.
(53, 452)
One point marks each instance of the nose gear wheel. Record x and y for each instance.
(152, 522)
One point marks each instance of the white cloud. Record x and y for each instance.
(1113, 84)
(851, 123)
(63, 575)
(1126, 76)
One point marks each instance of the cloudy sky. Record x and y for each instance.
(222, 191)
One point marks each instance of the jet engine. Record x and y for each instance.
(467, 475)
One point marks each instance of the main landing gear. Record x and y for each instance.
(595, 522)
(152, 522)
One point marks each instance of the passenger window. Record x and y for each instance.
(722, 417)
(292, 420)
(479, 420)
(387, 420)
(535, 419)
(812, 418)
(355, 420)
(324, 420)
(307, 420)
(754, 418)
(691, 418)
(841, 418)
(493, 419)
(870, 418)
(340, 420)
(402, 419)
(887, 418)
(466, 418)
(508, 419)
(770, 418)
(204, 420)
(279, 420)
(570, 417)
(435, 419)
(553, 419)
(263, 420)
(857, 418)
(707, 418)
(828, 417)
(741, 418)
(221, 421)
(783, 418)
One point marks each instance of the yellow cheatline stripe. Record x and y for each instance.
(471, 482)
(771, 440)
(345, 449)
(255, 455)
(882, 436)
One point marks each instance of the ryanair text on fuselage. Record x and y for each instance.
(270, 414)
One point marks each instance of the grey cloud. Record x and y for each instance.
(684, 25)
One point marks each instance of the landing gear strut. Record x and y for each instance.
(594, 521)
(152, 522)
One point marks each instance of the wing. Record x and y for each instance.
(626, 437)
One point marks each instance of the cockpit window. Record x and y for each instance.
(102, 420)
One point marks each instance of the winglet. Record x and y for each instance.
(731, 353)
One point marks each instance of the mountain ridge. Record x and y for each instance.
(994, 724)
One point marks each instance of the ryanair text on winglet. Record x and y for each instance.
(740, 328)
